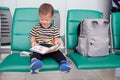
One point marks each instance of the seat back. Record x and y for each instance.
(23, 21)
(74, 17)
(115, 26)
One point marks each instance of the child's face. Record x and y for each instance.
(45, 19)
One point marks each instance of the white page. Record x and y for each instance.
(42, 49)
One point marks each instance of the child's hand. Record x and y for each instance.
(34, 43)
(51, 51)
(40, 48)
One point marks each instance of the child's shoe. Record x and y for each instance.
(65, 66)
(35, 64)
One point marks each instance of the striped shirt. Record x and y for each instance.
(45, 35)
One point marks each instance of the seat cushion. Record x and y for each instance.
(85, 62)
(16, 63)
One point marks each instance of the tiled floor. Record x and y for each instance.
(73, 75)
(105, 74)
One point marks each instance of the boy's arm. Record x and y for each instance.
(33, 41)
(57, 41)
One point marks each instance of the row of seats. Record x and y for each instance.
(23, 21)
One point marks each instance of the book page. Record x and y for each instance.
(39, 49)
(43, 50)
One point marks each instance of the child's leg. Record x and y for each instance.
(36, 62)
(60, 58)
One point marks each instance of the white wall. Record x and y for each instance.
(7, 3)
(62, 6)
(104, 6)
(99, 5)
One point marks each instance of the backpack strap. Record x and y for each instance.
(78, 32)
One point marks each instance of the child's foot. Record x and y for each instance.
(35, 64)
(65, 66)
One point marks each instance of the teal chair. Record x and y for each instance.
(23, 21)
(74, 17)
(115, 27)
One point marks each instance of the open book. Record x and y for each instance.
(43, 50)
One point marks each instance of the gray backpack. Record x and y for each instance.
(93, 38)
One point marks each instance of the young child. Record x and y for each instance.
(48, 35)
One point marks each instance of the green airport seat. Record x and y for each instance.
(23, 21)
(115, 26)
(84, 62)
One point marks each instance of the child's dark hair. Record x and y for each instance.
(46, 8)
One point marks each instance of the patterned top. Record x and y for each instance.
(45, 35)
